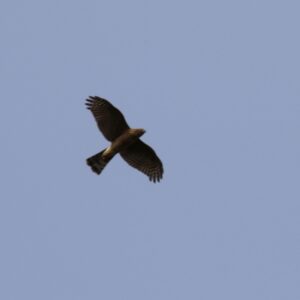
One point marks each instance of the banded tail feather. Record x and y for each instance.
(98, 162)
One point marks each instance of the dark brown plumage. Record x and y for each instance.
(124, 140)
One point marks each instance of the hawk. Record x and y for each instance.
(124, 140)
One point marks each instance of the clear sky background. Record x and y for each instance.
(216, 86)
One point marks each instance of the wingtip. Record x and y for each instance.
(89, 102)
(156, 178)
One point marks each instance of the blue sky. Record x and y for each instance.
(216, 86)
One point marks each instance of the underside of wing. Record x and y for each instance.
(142, 157)
(110, 120)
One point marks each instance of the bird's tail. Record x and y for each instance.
(98, 162)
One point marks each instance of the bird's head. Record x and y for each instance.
(138, 132)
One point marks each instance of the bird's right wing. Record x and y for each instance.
(142, 157)
(110, 120)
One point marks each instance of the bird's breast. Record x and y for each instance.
(121, 142)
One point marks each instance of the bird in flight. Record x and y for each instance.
(124, 140)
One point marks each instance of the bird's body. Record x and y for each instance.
(128, 137)
(124, 140)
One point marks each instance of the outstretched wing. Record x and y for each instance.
(110, 120)
(142, 157)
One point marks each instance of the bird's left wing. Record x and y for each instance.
(142, 157)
